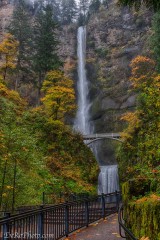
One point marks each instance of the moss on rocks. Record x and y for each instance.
(141, 213)
(143, 218)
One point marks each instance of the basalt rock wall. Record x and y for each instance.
(115, 35)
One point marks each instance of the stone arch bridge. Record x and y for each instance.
(90, 138)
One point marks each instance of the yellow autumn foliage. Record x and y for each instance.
(59, 98)
(145, 238)
(151, 198)
(8, 53)
(11, 94)
(142, 69)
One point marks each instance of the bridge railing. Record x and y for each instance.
(54, 222)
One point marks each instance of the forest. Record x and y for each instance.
(40, 151)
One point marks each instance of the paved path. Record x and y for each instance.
(107, 229)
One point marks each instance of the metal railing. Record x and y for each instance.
(49, 198)
(56, 221)
(121, 221)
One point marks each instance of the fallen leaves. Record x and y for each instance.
(144, 238)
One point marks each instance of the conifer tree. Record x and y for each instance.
(155, 39)
(94, 6)
(56, 10)
(83, 11)
(155, 4)
(45, 44)
(68, 11)
(20, 28)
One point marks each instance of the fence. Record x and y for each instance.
(128, 233)
(56, 221)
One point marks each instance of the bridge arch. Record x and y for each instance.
(98, 139)
(102, 136)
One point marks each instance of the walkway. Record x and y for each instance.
(107, 229)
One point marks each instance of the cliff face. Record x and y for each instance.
(6, 11)
(67, 37)
(115, 36)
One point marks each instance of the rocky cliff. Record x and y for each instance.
(115, 36)
(6, 11)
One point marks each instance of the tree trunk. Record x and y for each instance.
(3, 181)
(14, 184)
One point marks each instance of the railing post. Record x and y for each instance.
(117, 200)
(66, 219)
(60, 197)
(43, 198)
(103, 205)
(86, 213)
(40, 223)
(6, 232)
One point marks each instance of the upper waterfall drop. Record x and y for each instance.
(82, 117)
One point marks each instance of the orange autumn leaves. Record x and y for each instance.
(141, 137)
(146, 82)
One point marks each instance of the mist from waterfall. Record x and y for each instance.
(108, 177)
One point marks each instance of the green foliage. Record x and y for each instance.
(45, 44)
(20, 28)
(140, 152)
(83, 12)
(94, 6)
(19, 152)
(102, 52)
(143, 217)
(39, 154)
(155, 39)
(68, 11)
(147, 223)
(137, 3)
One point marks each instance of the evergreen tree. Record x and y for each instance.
(56, 10)
(68, 11)
(83, 11)
(94, 6)
(155, 39)
(45, 44)
(20, 28)
(155, 4)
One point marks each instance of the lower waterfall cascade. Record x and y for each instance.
(108, 180)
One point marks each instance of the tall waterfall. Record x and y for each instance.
(108, 177)
(82, 118)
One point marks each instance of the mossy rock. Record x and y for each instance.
(143, 219)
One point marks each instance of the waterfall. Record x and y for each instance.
(108, 177)
(82, 118)
(108, 180)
